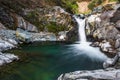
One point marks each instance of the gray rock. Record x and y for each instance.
(107, 74)
(26, 25)
(23, 35)
(4, 45)
(117, 43)
(62, 35)
(7, 58)
(43, 37)
(113, 62)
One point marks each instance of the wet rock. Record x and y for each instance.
(7, 58)
(107, 74)
(113, 62)
(62, 35)
(95, 44)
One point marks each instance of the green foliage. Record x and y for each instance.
(70, 5)
(55, 28)
(94, 3)
(114, 0)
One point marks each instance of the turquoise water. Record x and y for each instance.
(48, 61)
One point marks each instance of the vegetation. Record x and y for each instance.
(94, 3)
(114, 0)
(55, 28)
(70, 5)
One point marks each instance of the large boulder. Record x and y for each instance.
(8, 39)
(7, 58)
(108, 74)
(43, 36)
(21, 23)
(4, 45)
(113, 62)
(23, 35)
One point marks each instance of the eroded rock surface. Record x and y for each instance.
(107, 74)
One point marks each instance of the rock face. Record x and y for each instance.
(8, 40)
(35, 19)
(21, 23)
(7, 58)
(50, 19)
(108, 74)
(27, 37)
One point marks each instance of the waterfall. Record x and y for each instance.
(81, 28)
(84, 47)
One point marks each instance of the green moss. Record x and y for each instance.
(114, 0)
(94, 3)
(55, 28)
(70, 5)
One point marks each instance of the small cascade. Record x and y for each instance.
(81, 28)
(94, 53)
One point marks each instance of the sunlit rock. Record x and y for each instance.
(7, 58)
(23, 35)
(108, 74)
(4, 45)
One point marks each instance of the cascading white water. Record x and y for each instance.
(84, 46)
(81, 29)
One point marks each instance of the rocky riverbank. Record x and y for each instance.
(107, 74)
(7, 41)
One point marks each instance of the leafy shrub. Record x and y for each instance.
(94, 3)
(70, 5)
